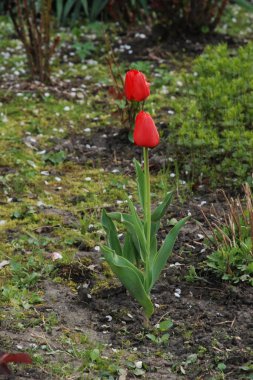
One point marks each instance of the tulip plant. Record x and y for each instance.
(138, 262)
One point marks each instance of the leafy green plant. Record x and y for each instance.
(215, 116)
(72, 9)
(28, 274)
(232, 237)
(138, 263)
(84, 49)
(160, 334)
(55, 158)
(126, 11)
(20, 297)
(192, 276)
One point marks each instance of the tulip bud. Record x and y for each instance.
(145, 131)
(136, 86)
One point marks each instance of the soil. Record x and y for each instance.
(161, 45)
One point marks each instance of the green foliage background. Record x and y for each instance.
(213, 126)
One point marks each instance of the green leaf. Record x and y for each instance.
(55, 158)
(112, 234)
(128, 222)
(96, 8)
(129, 251)
(153, 239)
(118, 216)
(59, 8)
(160, 210)
(144, 4)
(131, 136)
(151, 337)
(135, 216)
(67, 8)
(244, 4)
(140, 182)
(131, 277)
(138, 230)
(221, 366)
(166, 250)
(165, 325)
(85, 7)
(164, 338)
(94, 354)
(135, 228)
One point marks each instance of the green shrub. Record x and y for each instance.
(213, 127)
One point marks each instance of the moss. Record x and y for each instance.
(104, 284)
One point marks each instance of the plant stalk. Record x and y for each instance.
(147, 198)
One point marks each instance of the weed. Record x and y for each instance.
(232, 237)
(160, 334)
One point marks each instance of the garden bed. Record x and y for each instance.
(66, 156)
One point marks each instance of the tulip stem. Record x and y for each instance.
(147, 200)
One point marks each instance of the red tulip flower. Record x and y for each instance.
(6, 358)
(136, 86)
(145, 131)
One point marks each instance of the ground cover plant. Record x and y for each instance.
(233, 241)
(66, 156)
(221, 109)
